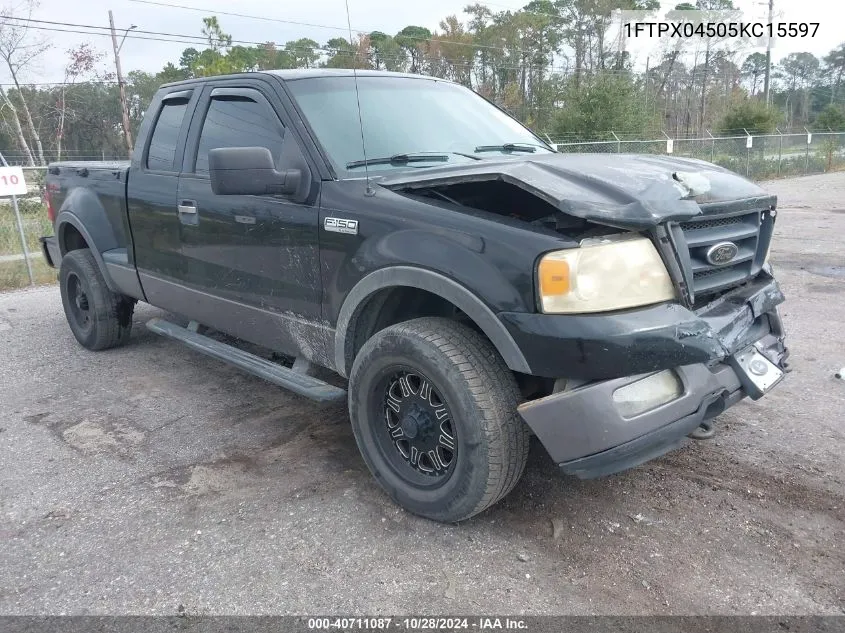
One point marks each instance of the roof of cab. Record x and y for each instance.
(306, 73)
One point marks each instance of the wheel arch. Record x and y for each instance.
(83, 212)
(68, 226)
(397, 277)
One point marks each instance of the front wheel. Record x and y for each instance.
(433, 409)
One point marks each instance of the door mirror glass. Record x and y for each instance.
(245, 171)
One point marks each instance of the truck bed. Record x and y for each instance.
(81, 187)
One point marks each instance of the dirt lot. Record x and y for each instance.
(149, 479)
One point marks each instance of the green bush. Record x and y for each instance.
(751, 115)
(601, 103)
(831, 118)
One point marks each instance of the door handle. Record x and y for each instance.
(187, 206)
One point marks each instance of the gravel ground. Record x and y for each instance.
(151, 480)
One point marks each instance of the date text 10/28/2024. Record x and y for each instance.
(417, 624)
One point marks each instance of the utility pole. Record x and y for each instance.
(768, 56)
(127, 132)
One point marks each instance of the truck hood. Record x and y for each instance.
(627, 191)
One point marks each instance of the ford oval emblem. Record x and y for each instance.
(722, 253)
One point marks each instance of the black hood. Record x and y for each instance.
(623, 190)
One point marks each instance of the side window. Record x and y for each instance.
(238, 122)
(163, 142)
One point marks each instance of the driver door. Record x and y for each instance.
(250, 258)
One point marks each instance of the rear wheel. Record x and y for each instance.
(433, 408)
(98, 317)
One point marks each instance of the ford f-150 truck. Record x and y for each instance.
(469, 284)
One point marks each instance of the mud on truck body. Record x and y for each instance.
(470, 284)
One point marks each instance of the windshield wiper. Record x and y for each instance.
(404, 159)
(400, 159)
(509, 147)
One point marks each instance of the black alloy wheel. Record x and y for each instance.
(418, 435)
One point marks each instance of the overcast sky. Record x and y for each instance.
(367, 15)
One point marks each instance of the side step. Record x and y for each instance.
(299, 383)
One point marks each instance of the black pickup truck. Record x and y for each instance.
(472, 285)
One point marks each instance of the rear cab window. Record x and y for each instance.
(162, 153)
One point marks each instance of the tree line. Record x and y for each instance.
(555, 65)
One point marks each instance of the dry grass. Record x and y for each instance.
(13, 275)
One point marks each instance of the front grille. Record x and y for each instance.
(706, 273)
(743, 228)
(711, 223)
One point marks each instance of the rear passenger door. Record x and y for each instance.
(254, 252)
(151, 195)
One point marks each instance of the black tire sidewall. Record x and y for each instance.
(467, 485)
(75, 262)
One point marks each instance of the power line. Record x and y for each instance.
(132, 37)
(105, 28)
(320, 26)
(27, 84)
(240, 15)
(195, 39)
(322, 49)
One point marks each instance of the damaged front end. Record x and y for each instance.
(631, 384)
(711, 227)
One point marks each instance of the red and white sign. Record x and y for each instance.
(12, 182)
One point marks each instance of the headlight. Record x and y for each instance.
(604, 274)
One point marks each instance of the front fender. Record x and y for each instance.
(435, 283)
(460, 256)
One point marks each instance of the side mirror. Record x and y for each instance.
(249, 171)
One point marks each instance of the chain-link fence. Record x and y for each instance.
(756, 156)
(21, 263)
(50, 156)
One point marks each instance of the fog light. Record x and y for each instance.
(647, 394)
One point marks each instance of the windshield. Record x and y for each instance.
(406, 117)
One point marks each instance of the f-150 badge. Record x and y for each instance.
(341, 225)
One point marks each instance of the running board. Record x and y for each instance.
(298, 382)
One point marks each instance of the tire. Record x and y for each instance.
(98, 317)
(401, 382)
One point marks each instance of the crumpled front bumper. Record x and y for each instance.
(585, 433)
(627, 342)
